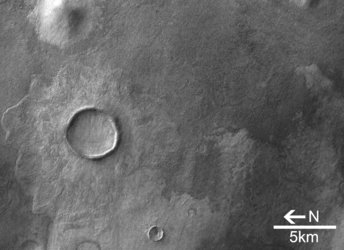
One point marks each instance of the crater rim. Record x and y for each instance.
(92, 156)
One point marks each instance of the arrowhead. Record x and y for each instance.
(288, 216)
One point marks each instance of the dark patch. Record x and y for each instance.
(310, 106)
(76, 18)
(204, 177)
(339, 145)
(263, 179)
(237, 241)
(194, 24)
(231, 62)
(170, 169)
(265, 194)
(135, 91)
(334, 74)
(145, 120)
(207, 175)
(6, 171)
(314, 3)
(274, 118)
(341, 193)
(156, 3)
(147, 62)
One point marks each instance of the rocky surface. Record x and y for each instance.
(229, 114)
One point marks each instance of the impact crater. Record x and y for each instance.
(92, 133)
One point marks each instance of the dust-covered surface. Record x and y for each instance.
(230, 114)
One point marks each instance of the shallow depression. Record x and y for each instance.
(155, 233)
(92, 133)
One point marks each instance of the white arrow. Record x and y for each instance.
(289, 216)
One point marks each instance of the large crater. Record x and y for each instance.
(92, 133)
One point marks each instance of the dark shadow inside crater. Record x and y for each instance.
(76, 18)
(314, 3)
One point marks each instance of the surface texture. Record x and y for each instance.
(228, 114)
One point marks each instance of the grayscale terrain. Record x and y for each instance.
(170, 124)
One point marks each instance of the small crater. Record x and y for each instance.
(155, 233)
(92, 133)
(192, 212)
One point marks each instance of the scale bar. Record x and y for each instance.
(326, 227)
